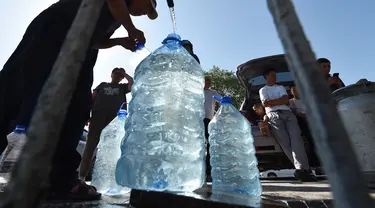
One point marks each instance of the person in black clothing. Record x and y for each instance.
(28, 68)
(189, 47)
(334, 81)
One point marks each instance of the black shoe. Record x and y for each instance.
(304, 176)
(319, 171)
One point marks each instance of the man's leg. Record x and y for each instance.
(208, 163)
(97, 124)
(64, 181)
(280, 133)
(296, 141)
(312, 156)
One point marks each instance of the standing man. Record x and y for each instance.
(299, 110)
(107, 100)
(28, 68)
(189, 47)
(334, 80)
(209, 107)
(284, 125)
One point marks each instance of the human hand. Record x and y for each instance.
(333, 80)
(137, 35)
(127, 43)
(267, 103)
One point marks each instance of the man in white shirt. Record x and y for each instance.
(209, 107)
(284, 125)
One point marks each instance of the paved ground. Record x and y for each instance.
(286, 191)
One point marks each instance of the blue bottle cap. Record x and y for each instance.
(223, 100)
(226, 100)
(122, 113)
(139, 46)
(20, 129)
(173, 37)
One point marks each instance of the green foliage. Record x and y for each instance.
(225, 83)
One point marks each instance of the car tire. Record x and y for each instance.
(272, 175)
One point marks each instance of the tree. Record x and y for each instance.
(225, 82)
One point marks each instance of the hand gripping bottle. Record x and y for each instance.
(163, 149)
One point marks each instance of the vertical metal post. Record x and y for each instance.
(329, 134)
(30, 176)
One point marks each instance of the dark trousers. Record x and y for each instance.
(208, 164)
(22, 80)
(311, 152)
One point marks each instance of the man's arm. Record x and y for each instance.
(120, 12)
(283, 100)
(130, 81)
(109, 43)
(262, 95)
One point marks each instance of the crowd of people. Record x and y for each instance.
(285, 119)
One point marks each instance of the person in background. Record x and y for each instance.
(107, 100)
(284, 125)
(263, 124)
(189, 47)
(26, 71)
(299, 111)
(209, 107)
(334, 81)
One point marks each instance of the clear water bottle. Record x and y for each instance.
(141, 53)
(16, 141)
(233, 161)
(109, 152)
(163, 149)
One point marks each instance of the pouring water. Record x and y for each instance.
(173, 14)
(173, 17)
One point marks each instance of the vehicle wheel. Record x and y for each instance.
(89, 175)
(271, 175)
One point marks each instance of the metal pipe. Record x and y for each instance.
(330, 136)
(30, 176)
(170, 3)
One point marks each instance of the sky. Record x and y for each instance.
(227, 35)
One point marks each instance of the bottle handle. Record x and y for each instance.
(122, 105)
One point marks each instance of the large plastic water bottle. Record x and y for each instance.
(233, 161)
(163, 149)
(16, 141)
(109, 152)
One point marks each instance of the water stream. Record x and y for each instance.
(173, 17)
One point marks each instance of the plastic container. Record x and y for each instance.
(163, 149)
(234, 165)
(106, 158)
(16, 141)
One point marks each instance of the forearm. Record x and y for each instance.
(120, 12)
(108, 43)
(280, 101)
(129, 78)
